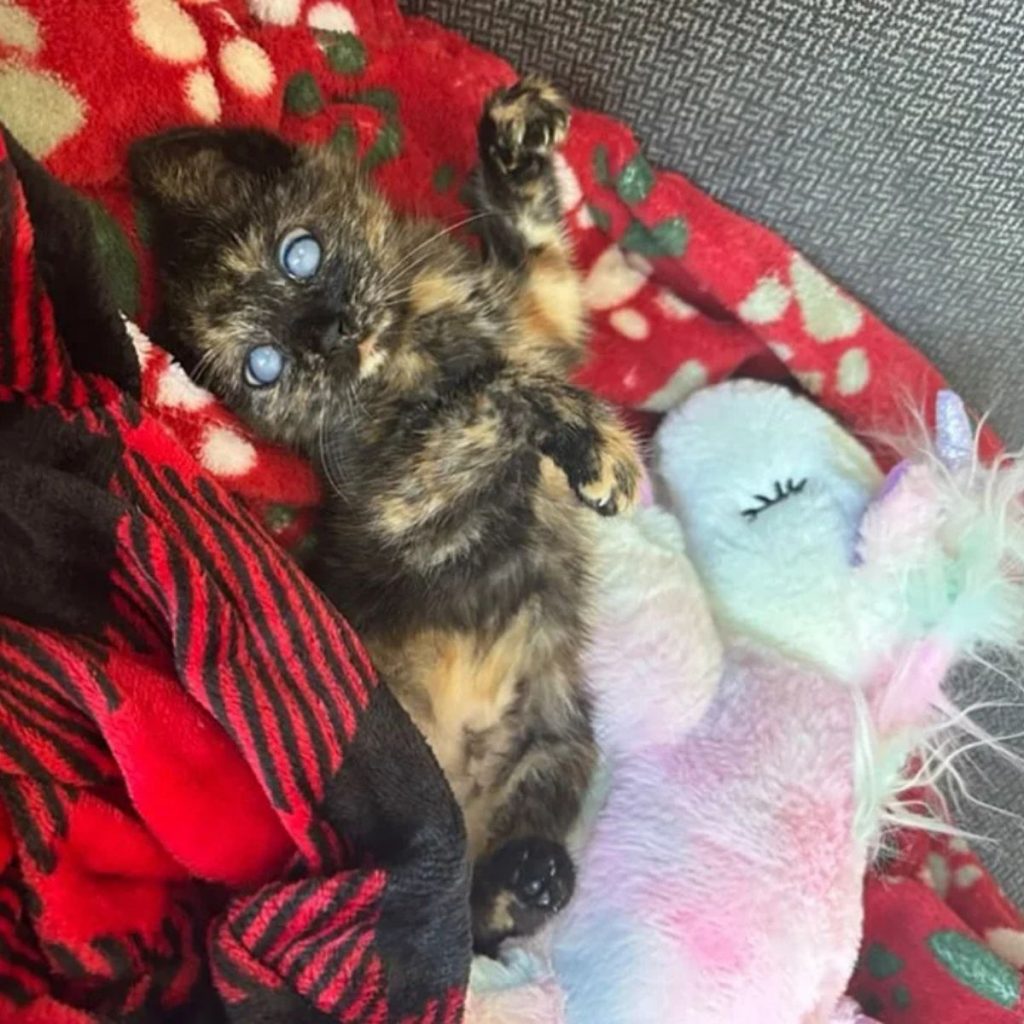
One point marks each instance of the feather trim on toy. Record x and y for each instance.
(946, 538)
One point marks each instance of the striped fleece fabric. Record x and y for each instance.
(209, 808)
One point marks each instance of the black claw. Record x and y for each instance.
(538, 873)
(522, 149)
(533, 887)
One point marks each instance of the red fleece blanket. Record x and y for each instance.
(680, 290)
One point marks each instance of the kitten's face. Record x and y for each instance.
(281, 273)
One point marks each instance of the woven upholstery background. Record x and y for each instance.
(884, 138)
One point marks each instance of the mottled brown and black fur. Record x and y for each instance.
(429, 384)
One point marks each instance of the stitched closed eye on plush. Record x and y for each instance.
(782, 491)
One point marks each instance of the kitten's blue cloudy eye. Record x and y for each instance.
(299, 254)
(263, 366)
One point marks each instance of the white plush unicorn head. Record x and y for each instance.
(771, 491)
(883, 584)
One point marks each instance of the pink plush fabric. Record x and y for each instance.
(674, 886)
(848, 1012)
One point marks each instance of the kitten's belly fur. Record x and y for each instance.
(484, 697)
(462, 694)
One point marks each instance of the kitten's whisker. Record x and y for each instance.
(401, 296)
(335, 483)
(440, 233)
(202, 365)
(417, 261)
(355, 399)
(331, 454)
(403, 264)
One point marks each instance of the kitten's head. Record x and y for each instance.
(281, 271)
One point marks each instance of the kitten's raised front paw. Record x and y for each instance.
(517, 888)
(520, 128)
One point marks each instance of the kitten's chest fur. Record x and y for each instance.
(441, 512)
(468, 588)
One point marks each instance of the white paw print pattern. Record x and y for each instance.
(827, 316)
(613, 279)
(226, 453)
(673, 307)
(853, 372)
(630, 323)
(687, 378)
(767, 301)
(40, 109)
(323, 16)
(167, 389)
(202, 96)
(613, 286)
(246, 65)
(276, 12)
(18, 28)
(330, 16)
(176, 390)
(569, 191)
(584, 218)
(1007, 943)
(169, 33)
(143, 346)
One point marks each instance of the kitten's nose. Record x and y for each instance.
(331, 339)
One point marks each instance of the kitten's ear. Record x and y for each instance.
(203, 168)
(76, 280)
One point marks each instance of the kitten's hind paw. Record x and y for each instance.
(599, 458)
(518, 888)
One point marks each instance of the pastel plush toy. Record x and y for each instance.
(654, 664)
(757, 717)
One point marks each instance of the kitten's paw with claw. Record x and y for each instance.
(612, 485)
(520, 128)
(598, 456)
(518, 888)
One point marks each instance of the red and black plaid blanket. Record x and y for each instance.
(199, 773)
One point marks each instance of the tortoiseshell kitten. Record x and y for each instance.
(429, 384)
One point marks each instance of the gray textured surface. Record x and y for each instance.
(884, 138)
(995, 785)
